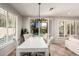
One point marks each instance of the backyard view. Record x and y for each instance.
(68, 27)
(39, 25)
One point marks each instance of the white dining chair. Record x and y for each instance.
(48, 40)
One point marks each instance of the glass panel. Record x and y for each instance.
(34, 26)
(72, 27)
(44, 26)
(67, 28)
(61, 29)
(39, 26)
(7, 27)
(11, 26)
(3, 29)
(77, 23)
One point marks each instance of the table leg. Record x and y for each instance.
(17, 53)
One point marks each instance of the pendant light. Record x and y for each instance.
(39, 10)
(39, 24)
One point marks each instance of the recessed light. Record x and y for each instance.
(50, 9)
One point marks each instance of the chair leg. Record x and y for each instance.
(49, 50)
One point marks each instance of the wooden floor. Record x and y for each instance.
(55, 50)
(60, 50)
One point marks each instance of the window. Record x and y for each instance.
(34, 26)
(77, 27)
(61, 28)
(44, 26)
(7, 26)
(3, 30)
(11, 24)
(73, 27)
(67, 27)
(39, 26)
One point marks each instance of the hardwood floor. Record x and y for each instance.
(13, 53)
(55, 50)
(60, 50)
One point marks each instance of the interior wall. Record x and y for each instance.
(26, 23)
(50, 26)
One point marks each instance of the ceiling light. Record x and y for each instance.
(50, 9)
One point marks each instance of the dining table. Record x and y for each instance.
(32, 44)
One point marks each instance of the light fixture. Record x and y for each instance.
(50, 9)
(39, 10)
(39, 24)
(38, 20)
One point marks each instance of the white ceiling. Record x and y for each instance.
(60, 9)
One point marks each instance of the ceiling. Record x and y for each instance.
(59, 9)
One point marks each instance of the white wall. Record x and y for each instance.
(53, 28)
(19, 26)
(26, 23)
(50, 26)
(8, 8)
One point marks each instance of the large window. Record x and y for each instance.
(7, 26)
(39, 26)
(3, 30)
(67, 27)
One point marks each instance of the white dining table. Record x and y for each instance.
(33, 44)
